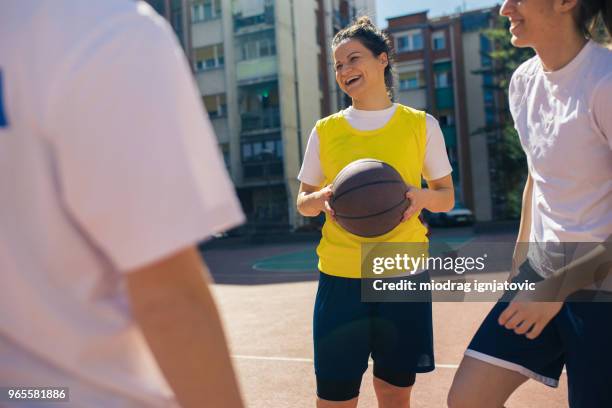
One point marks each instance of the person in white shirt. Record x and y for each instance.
(109, 177)
(560, 102)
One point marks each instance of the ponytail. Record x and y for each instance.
(595, 18)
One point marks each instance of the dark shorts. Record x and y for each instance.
(579, 337)
(398, 336)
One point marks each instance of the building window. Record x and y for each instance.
(438, 40)
(446, 119)
(203, 10)
(411, 41)
(257, 149)
(257, 46)
(208, 57)
(265, 150)
(403, 43)
(247, 152)
(267, 47)
(485, 50)
(417, 41)
(442, 79)
(269, 147)
(489, 116)
(279, 149)
(411, 80)
(216, 105)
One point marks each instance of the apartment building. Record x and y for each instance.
(263, 70)
(437, 70)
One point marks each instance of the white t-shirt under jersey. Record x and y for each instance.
(435, 166)
(564, 121)
(107, 163)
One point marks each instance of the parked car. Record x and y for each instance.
(459, 215)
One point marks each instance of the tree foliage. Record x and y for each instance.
(507, 163)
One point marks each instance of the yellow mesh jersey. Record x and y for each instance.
(400, 143)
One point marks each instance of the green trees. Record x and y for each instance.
(507, 163)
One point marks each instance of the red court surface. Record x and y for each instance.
(268, 321)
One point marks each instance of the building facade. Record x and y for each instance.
(438, 70)
(263, 69)
(265, 72)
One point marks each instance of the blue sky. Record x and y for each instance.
(394, 8)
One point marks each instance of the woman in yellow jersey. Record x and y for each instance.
(347, 331)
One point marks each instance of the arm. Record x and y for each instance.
(174, 307)
(522, 241)
(593, 267)
(311, 200)
(438, 197)
(528, 317)
(530, 312)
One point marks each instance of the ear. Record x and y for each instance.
(566, 6)
(383, 58)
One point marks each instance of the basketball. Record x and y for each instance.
(369, 197)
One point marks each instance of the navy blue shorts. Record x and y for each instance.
(398, 336)
(579, 337)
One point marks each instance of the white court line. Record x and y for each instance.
(309, 360)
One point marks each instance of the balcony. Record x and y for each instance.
(207, 33)
(256, 70)
(416, 98)
(265, 119)
(211, 81)
(265, 171)
(255, 22)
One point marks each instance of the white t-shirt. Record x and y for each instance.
(565, 126)
(435, 166)
(107, 163)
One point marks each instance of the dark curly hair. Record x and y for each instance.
(374, 40)
(593, 12)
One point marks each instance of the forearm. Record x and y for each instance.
(439, 200)
(307, 205)
(183, 329)
(521, 248)
(525, 223)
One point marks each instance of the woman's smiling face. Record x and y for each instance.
(357, 69)
(533, 22)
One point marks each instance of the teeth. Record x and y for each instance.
(351, 79)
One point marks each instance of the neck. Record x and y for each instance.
(554, 57)
(372, 101)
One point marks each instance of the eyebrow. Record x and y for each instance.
(348, 56)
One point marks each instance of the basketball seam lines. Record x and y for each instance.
(360, 160)
(336, 198)
(370, 215)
